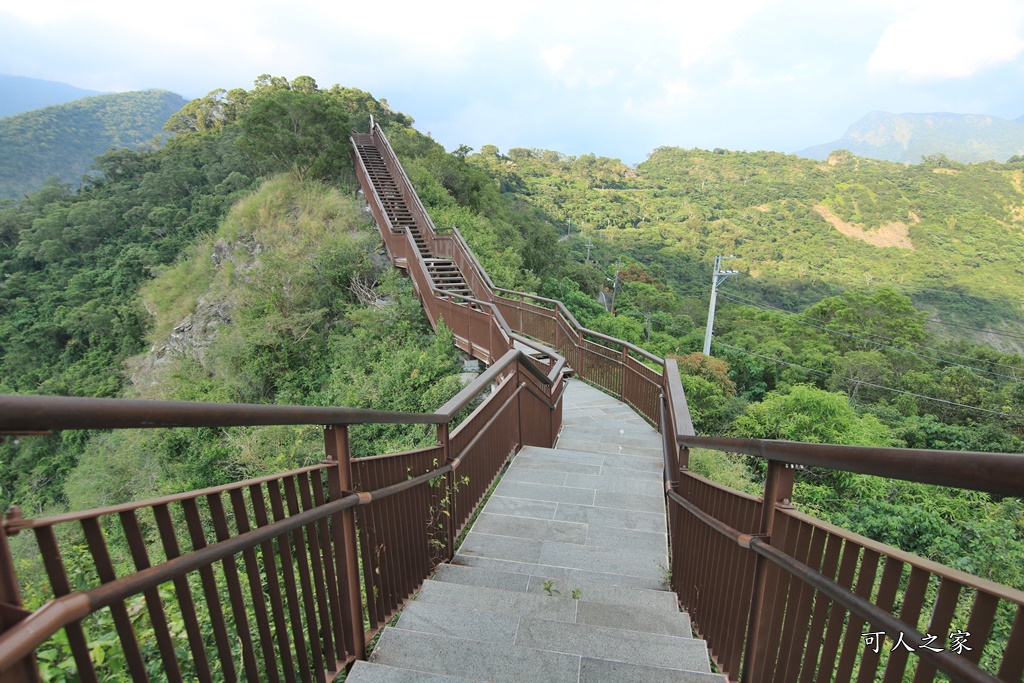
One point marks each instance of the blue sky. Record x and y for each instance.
(615, 79)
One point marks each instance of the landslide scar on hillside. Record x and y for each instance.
(890, 235)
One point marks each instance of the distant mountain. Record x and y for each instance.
(63, 140)
(907, 137)
(19, 94)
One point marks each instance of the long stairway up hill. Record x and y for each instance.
(562, 576)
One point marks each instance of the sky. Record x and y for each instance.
(614, 79)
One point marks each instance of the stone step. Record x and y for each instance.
(598, 604)
(474, 660)
(570, 574)
(487, 661)
(590, 591)
(662, 642)
(369, 672)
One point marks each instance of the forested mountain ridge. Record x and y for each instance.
(950, 235)
(268, 309)
(19, 94)
(908, 137)
(62, 140)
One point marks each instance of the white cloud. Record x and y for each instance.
(556, 58)
(936, 40)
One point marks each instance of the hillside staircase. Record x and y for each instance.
(444, 273)
(562, 578)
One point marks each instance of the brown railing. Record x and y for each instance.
(303, 608)
(782, 596)
(331, 551)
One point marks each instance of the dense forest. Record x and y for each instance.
(62, 140)
(236, 263)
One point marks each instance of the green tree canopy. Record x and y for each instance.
(297, 131)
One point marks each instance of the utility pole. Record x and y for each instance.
(717, 278)
(589, 245)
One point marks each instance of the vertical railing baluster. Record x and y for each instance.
(11, 611)
(122, 622)
(325, 604)
(345, 548)
(238, 607)
(277, 610)
(154, 604)
(285, 546)
(302, 540)
(330, 579)
(1012, 668)
(211, 593)
(778, 492)
(257, 599)
(58, 576)
(183, 592)
(913, 601)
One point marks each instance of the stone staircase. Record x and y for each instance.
(443, 273)
(562, 576)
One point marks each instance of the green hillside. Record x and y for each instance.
(63, 140)
(949, 235)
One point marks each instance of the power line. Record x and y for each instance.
(876, 386)
(976, 329)
(796, 319)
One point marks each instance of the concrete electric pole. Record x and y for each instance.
(716, 279)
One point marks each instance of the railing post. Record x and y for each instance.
(445, 442)
(582, 369)
(625, 374)
(11, 611)
(778, 494)
(346, 549)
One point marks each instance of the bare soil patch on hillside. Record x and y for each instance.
(895, 234)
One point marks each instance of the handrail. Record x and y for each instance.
(962, 671)
(34, 630)
(999, 473)
(584, 330)
(21, 413)
(498, 319)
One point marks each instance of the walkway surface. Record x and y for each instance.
(562, 577)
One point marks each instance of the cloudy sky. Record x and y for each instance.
(616, 79)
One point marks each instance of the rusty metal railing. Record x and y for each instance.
(295, 571)
(777, 594)
(782, 596)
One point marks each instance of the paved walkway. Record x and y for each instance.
(562, 576)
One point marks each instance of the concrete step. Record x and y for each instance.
(633, 610)
(649, 647)
(567, 573)
(369, 672)
(471, 659)
(474, 660)
(590, 591)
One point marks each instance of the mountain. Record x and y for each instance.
(63, 140)
(950, 235)
(908, 137)
(19, 94)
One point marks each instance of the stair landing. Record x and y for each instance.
(562, 577)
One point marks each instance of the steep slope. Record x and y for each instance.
(63, 140)
(908, 137)
(951, 235)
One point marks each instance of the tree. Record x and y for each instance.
(296, 131)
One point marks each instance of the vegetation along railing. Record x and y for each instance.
(330, 552)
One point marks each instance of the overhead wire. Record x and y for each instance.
(796, 318)
(876, 386)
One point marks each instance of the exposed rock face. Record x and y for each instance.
(194, 333)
